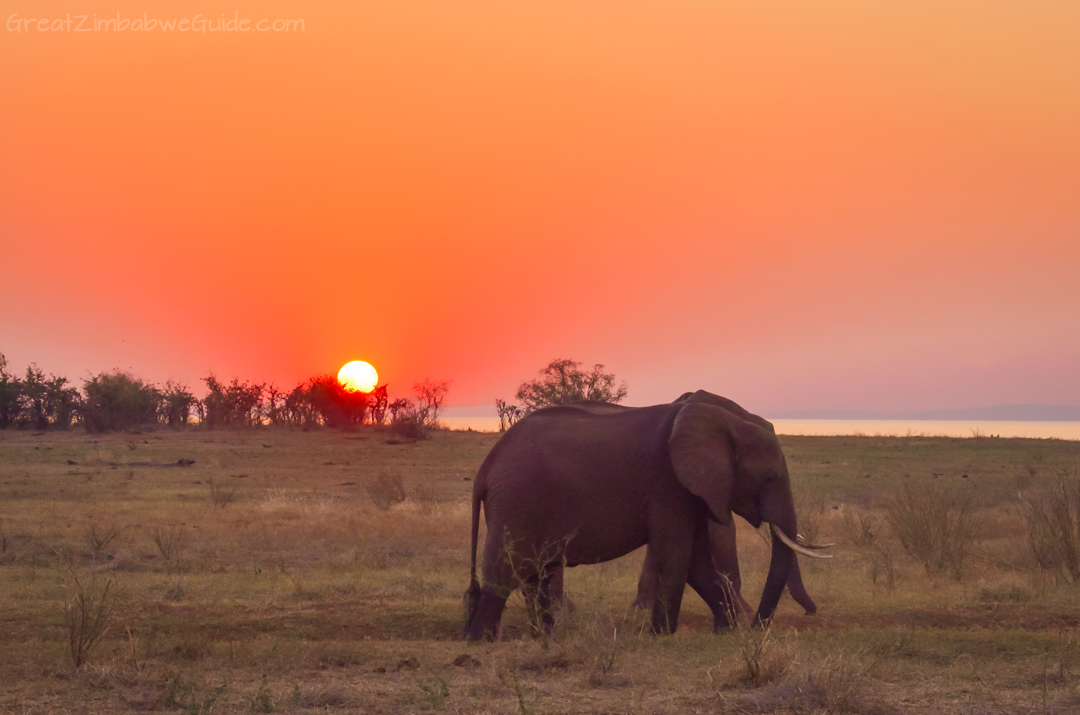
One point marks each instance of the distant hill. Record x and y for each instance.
(476, 411)
(1009, 413)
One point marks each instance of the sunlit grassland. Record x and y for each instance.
(292, 592)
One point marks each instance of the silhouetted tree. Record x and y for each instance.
(298, 408)
(508, 414)
(430, 395)
(378, 402)
(273, 407)
(64, 402)
(398, 408)
(45, 402)
(118, 401)
(10, 396)
(176, 404)
(561, 382)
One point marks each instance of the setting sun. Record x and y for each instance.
(358, 376)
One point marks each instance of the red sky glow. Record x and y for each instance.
(798, 205)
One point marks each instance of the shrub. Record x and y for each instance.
(938, 527)
(1052, 518)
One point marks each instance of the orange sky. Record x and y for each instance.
(797, 205)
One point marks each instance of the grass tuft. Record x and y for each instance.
(386, 490)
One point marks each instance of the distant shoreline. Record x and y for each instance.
(1029, 429)
(998, 413)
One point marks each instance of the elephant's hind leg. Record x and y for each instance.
(484, 624)
(715, 589)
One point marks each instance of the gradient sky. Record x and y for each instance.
(828, 204)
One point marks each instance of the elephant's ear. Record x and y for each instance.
(703, 455)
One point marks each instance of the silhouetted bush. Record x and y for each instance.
(334, 405)
(118, 401)
(234, 405)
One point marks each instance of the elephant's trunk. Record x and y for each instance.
(783, 560)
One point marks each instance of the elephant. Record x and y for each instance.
(567, 486)
(722, 539)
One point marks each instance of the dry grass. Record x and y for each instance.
(306, 596)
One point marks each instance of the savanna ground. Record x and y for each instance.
(263, 577)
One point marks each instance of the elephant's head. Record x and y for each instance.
(736, 465)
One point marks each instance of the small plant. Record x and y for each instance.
(763, 660)
(170, 541)
(263, 702)
(99, 536)
(883, 566)
(87, 611)
(220, 496)
(836, 684)
(424, 497)
(386, 490)
(860, 527)
(182, 694)
(436, 694)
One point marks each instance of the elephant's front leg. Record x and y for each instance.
(672, 564)
(648, 582)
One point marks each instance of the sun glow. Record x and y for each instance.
(358, 376)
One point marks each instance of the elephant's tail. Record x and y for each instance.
(477, 500)
(472, 595)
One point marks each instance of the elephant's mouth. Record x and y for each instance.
(803, 547)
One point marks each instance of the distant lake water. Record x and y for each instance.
(870, 428)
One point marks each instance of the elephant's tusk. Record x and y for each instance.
(810, 545)
(779, 533)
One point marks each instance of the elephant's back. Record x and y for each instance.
(569, 473)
